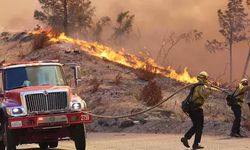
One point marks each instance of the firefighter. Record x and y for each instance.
(248, 96)
(239, 94)
(200, 94)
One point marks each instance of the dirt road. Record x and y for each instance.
(120, 141)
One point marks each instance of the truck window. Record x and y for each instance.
(33, 76)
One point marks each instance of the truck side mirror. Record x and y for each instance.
(77, 75)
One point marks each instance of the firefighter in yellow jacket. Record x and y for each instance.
(239, 95)
(200, 94)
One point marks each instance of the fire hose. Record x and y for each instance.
(153, 107)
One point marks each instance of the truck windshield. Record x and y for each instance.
(33, 76)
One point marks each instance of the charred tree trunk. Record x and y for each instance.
(65, 9)
(246, 64)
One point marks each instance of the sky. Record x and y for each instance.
(153, 19)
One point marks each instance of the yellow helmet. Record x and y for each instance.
(244, 81)
(203, 75)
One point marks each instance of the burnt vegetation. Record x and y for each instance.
(94, 85)
(40, 41)
(146, 74)
(150, 94)
(117, 79)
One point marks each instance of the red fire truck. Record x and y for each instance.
(38, 106)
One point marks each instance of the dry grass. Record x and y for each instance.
(150, 94)
(40, 41)
(117, 79)
(21, 54)
(95, 84)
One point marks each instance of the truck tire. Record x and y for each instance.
(2, 146)
(10, 143)
(53, 144)
(79, 136)
(43, 146)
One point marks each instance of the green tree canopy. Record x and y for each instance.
(124, 26)
(75, 15)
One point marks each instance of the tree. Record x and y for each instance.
(170, 41)
(232, 23)
(65, 12)
(66, 15)
(99, 27)
(246, 63)
(124, 26)
(248, 43)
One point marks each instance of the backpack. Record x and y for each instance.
(231, 98)
(188, 105)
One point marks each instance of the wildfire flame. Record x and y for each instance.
(121, 57)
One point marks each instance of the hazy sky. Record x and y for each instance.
(153, 19)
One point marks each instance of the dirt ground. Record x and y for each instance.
(124, 141)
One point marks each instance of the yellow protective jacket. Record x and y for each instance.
(201, 93)
(241, 91)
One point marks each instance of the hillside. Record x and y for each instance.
(112, 89)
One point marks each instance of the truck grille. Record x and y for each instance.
(40, 102)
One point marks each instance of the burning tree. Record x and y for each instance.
(232, 27)
(65, 15)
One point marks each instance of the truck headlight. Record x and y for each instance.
(78, 105)
(16, 111)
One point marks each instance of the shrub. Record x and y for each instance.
(146, 74)
(117, 79)
(94, 83)
(150, 94)
(40, 41)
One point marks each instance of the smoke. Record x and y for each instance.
(153, 20)
(16, 15)
(159, 17)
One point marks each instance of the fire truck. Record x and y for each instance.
(37, 105)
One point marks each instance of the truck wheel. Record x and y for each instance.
(10, 143)
(2, 146)
(43, 146)
(79, 137)
(53, 144)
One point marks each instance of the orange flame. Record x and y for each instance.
(121, 57)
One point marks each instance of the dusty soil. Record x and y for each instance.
(123, 141)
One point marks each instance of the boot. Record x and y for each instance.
(197, 147)
(234, 135)
(241, 135)
(184, 141)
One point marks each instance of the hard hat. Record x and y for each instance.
(203, 75)
(244, 81)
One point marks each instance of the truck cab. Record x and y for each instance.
(38, 106)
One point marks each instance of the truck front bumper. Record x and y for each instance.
(49, 120)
